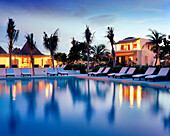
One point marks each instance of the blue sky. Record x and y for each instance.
(127, 17)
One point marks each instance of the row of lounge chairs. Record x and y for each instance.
(25, 72)
(124, 72)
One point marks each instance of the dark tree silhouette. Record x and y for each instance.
(12, 35)
(51, 43)
(31, 45)
(89, 38)
(156, 38)
(97, 51)
(110, 36)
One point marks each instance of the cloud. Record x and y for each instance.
(147, 20)
(102, 20)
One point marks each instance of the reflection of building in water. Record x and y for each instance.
(131, 94)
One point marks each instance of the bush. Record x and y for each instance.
(80, 67)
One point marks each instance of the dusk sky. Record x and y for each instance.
(127, 17)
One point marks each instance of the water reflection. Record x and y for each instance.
(14, 115)
(155, 109)
(112, 110)
(92, 101)
(52, 108)
(30, 94)
(89, 108)
(132, 94)
(166, 121)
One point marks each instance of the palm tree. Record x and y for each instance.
(156, 38)
(89, 37)
(98, 50)
(51, 43)
(110, 36)
(12, 35)
(31, 45)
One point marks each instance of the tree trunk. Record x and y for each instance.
(32, 62)
(113, 54)
(10, 54)
(52, 58)
(156, 54)
(88, 58)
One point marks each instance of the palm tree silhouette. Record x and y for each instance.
(97, 51)
(110, 36)
(89, 38)
(31, 45)
(12, 35)
(51, 43)
(156, 38)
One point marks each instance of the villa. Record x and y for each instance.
(138, 50)
(21, 57)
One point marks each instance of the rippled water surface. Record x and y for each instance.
(73, 106)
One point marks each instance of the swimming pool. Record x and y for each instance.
(75, 106)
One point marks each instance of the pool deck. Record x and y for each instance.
(164, 84)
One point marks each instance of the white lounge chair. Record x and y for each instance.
(122, 71)
(25, 72)
(61, 71)
(163, 73)
(128, 74)
(99, 71)
(10, 72)
(148, 72)
(105, 72)
(51, 72)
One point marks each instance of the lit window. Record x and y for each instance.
(134, 45)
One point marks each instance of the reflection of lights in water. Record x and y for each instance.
(55, 84)
(120, 94)
(41, 85)
(48, 89)
(19, 86)
(131, 97)
(14, 92)
(139, 96)
(30, 86)
(51, 89)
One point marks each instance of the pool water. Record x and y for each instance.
(82, 107)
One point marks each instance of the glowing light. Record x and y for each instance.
(48, 90)
(120, 94)
(51, 89)
(131, 97)
(13, 58)
(139, 96)
(14, 92)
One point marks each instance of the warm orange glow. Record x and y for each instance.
(41, 85)
(120, 94)
(14, 92)
(51, 89)
(48, 90)
(131, 97)
(55, 84)
(139, 96)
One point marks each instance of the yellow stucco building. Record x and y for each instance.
(21, 58)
